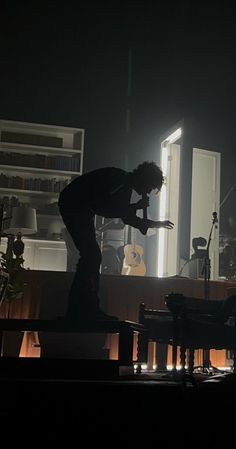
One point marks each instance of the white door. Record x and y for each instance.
(205, 200)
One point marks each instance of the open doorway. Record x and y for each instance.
(169, 203)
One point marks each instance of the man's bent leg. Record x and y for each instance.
(83, 301)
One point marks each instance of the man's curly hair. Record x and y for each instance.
(149, 173)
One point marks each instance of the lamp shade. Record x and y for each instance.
(23, 220)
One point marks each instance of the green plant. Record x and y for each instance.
(13, 266)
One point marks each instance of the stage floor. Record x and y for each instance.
(151, 407)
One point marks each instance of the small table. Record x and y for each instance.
(125, 329)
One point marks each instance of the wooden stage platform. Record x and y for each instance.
(46, 294)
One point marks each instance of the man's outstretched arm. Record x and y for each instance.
(146, 224)
(143, 224)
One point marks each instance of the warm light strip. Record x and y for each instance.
(144, 367)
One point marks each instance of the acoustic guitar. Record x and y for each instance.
(133, 264)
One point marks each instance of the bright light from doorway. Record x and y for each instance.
(169, 199)
(175, 136)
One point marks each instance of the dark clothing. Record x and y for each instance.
(104, 192)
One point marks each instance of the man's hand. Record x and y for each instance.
(142, 203)
(167, 224)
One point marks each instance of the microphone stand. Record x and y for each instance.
(207, 274)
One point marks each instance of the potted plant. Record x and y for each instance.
(13, 265)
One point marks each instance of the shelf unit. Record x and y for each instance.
(36, 162)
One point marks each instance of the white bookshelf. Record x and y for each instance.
(36, 162)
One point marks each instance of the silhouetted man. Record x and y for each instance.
(105, 192)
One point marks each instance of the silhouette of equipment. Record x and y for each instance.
(202, 324)
(207, 274)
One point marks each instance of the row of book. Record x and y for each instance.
(70, 163)
(37, 184)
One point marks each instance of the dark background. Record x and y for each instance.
(68, 65)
